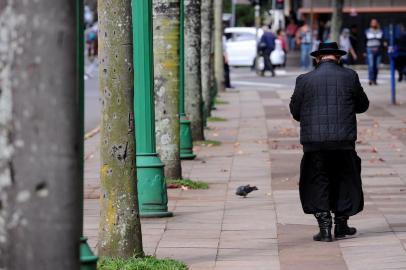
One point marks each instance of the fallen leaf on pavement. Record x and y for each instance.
(172, 186)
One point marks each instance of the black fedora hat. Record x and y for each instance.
(328, 48)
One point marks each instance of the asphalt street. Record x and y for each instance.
(285, 78)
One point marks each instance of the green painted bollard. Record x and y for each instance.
(186, 141)
(88, 261)
(152, 194)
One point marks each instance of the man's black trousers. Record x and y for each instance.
(331, 181)
(267, 61)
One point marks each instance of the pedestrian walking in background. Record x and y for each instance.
(280, 34)
(267, 45)
(304, 40)
(374, 48)
(323, 31)
(345, 45)
(291, 29)
(325, 102)
(354, 42)
(227, 81)
(400, 60)
(92, 41)
(88, 16)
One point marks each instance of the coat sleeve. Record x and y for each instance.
(272, 45)
(296, 99)
(262, 39)
(361, 99)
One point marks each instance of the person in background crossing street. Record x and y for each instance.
(227, 82)
(374, 46)
(267, 44)
(345, 45)
(291, 33)
(304, 40)
(284, 44)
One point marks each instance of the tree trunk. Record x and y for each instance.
(213, 82)
(166, 77)
(193, 87)
(336, 20)
(120, 229)
(40, 181)
(218, 45)
(206, 65)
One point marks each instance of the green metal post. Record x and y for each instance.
(88, 261)
(152, 194)
(186, 142)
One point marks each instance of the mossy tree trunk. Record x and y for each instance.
(218, 45)
(206, 59)
(336, 19)
(166, 77)
(213, 84)
(120, 229)
(40, 165)
(193, 86)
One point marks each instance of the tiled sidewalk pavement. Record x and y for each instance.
(214, 229)
(380, 243)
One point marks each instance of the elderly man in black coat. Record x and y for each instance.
(325, 102)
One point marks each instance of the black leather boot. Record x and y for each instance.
(325, 223)
(341, 228)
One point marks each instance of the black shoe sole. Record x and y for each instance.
(340, 236)
(323, 240)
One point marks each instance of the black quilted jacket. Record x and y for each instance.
(325, 102)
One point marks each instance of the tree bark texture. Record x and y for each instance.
(40, 165)
(166, 87)
(206, 58)
(218, 45)
(193, 87)
(213, 83)
(120, 229)
(336, 19)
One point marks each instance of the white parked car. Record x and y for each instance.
(241, 45)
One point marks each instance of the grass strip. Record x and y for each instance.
(220, 102)
(216, 119)
(208, 143)
(187, 183)
(140, 263)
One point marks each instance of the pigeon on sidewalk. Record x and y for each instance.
(245, 190)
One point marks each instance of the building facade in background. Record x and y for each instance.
(357, 16)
